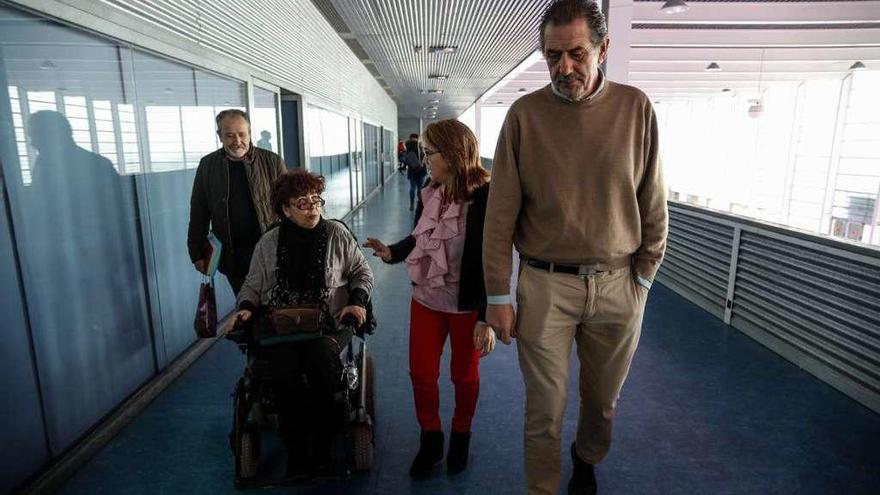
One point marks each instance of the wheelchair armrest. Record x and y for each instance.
(241, 333)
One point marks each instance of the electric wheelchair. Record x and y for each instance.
(256, 410)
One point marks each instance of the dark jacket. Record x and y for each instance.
(471, 288)
(415, 169)
(209, 203)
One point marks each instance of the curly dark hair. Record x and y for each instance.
(562, 12)
(294, 184)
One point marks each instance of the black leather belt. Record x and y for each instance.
(561, 268)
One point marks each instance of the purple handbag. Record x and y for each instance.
(206, 312)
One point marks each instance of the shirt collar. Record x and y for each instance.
(589, 97)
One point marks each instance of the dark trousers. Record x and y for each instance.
(307, 385)
(415, 184)
(241, 263)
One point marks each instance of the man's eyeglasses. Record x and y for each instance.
(307, 203)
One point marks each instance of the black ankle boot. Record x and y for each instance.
(457, 458)
(430, 453)
(583, 476)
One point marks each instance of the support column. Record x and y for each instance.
(478, 121)
(619, 16)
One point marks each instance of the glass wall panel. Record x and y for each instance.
(264, 120)
(178, 105)
(371, 157)
(22, 432)
(811, 161)
(75, 220)
(328, 155)
(855, 207)
(389, 153)
(356, 156)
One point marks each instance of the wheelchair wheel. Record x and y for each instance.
(370, 386)
(248, 454)
(363, 447)
(244, 441)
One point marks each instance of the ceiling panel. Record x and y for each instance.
(756, 43)
(491, 36)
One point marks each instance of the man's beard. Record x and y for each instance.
(561, 85)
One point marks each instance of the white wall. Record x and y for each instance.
(288, 44)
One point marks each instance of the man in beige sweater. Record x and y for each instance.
(577, 188)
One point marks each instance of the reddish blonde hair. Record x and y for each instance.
(460, 150)
(294, 184)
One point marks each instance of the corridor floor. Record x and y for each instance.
(706, 410)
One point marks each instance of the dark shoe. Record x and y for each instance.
(583, 477)
(430, 453)
(457, 458)
(298, 464)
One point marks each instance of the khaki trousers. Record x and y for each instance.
(602, 313)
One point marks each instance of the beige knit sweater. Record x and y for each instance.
(578, 183)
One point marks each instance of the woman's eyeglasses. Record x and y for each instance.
(307, 203)
(429, 152)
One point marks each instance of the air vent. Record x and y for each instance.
(357, 49)
(326, 7)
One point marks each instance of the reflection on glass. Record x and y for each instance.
(75, 221)
(328, 155)
(179, 104)
(98, 155)
(264, 120)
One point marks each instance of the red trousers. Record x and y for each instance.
(427, 336)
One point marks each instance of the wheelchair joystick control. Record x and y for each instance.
(349, 321)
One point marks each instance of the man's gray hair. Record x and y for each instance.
(562, 12)
(231, 112)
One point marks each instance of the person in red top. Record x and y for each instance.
(444, 259)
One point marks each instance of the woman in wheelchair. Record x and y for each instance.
(306, 274)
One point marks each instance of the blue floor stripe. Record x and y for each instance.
(706, 410)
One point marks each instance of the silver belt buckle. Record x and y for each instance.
(586, 270)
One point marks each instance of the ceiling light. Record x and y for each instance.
(674, 7)
(500, 102)
(858, 65)
(417, 48)
(429, 108)
(48, 65)
(713, 67)
(61, 89)
(522, 90)
(756, 109)
(438, 77)
(433, 101)
(435, 91)
(725, 90)
(443, 49)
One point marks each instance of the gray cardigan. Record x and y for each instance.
(347, 269)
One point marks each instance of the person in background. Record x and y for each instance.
(415, 170)
(401, 149)
(231, 196)
(443, 257)
(577, 188)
